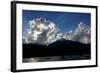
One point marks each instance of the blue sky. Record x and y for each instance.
(65, 21)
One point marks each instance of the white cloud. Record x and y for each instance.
(81, 33)
(43, 31)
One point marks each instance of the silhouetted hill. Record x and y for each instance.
(58, 48)
(67, 44)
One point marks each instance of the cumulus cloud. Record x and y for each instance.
(81, 34)
(42, 31)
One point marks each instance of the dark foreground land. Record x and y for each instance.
(65, 49)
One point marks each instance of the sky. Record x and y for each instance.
(65, 21)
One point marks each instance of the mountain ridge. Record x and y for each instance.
(57, 48)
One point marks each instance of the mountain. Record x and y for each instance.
(66, 43)
(60, 47)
